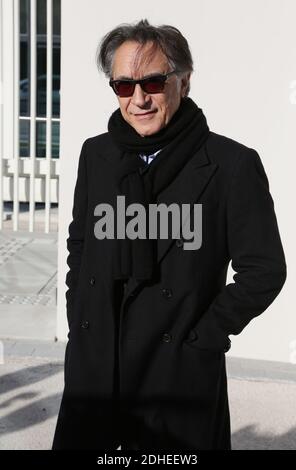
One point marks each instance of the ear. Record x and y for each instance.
(184, 83)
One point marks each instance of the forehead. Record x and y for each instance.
(131, 61)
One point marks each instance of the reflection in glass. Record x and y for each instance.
(55, 139)
(41, 17)
(24, 137)
(24, 57)
(56, 59)
(41, 58)
(41, 139)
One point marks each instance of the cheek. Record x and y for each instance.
(172, 100)
(166, 110)
(124, 105)
(163, 107)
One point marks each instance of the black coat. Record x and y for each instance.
(145, 367)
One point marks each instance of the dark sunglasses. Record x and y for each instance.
(155, 84)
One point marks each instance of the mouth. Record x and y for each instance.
(145, 115)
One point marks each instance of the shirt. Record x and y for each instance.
(148, 158)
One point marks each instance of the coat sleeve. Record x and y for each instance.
(256, 255)
(75, 241)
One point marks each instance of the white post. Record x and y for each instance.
(16, 99)
(33, 89)
(48, 116)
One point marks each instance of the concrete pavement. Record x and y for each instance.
(262, 400)
(262, 394)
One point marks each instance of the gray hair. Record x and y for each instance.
(165, 37)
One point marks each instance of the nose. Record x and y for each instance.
(139, 96)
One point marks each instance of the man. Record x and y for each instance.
(149, 321)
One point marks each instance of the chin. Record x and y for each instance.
(147, 130)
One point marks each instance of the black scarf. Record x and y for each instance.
(140, 183)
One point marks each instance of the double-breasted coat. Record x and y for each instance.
(145, 361)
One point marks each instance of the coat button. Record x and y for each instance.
(167, 293)
(85, 324)
(179, 242)
(166, 337)
(192, 336)
(228, 346)
(92, 281)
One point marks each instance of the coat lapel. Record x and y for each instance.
(187, 188)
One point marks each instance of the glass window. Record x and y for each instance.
(25, 58)
(41, 139)
(56, 62)
(41, 79)
(41, 58)
(55, 139)
(24, 137)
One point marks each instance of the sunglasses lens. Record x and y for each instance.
(154, 85)
(124, 88)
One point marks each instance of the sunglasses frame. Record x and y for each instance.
(141, 82)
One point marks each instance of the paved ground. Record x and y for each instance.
(262, 394)
(263, 412)
(28, 276)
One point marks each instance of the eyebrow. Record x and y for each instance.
(153, 74)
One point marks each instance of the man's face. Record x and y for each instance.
(159, 106)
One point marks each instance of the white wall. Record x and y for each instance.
(245, 81)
